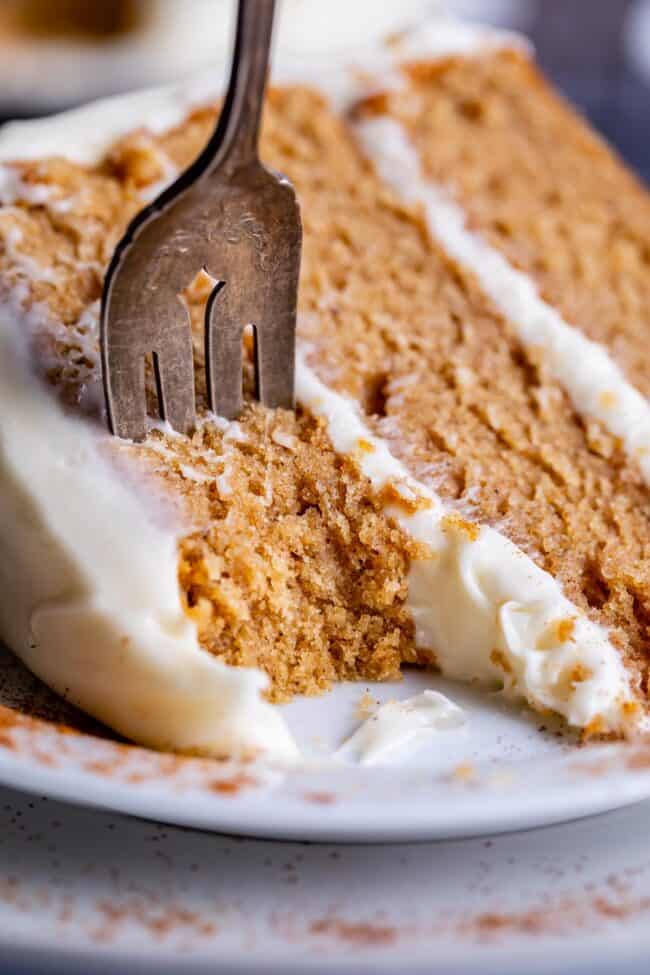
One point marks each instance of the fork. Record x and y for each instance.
(240, 222)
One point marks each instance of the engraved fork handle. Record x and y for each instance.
(234, 142)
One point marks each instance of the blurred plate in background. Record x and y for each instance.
(53, 55)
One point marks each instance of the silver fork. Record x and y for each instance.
(231, 216)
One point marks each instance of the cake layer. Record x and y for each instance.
(596, 386)
(447, 384)
(437, 498)
(542, 187)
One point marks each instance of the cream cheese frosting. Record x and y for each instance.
(398, 724)
(93, 610)
(485, 609)
(103, 629)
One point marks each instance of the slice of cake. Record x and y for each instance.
(464, 483)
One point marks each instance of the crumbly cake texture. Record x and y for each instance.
(294, 568)
(292, 564)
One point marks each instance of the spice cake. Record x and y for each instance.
(463, 485)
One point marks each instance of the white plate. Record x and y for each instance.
(91, 893)
(178, 40)
(502, 771)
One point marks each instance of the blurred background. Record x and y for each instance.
(57, 53)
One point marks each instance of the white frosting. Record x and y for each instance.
(94, 611)
(441, 37)
(486, 610)
(84, 134)
(312, 27)
(109, 631)
(585, 369)
(12, 239)
(13, 188)
(397, 724)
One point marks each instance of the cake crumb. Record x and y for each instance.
(500, 660)
(393, 495)
(365, 446)
(464, 772)
(595, 727)
(366, 706)
(579, 674)
(565, 629)
(608, 400)
(454, 522)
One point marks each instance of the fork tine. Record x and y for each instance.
(173, 361)
(224, 329)
(275, 367)
(175, 383)
(136, 321)
(125, 393)
(275, 346)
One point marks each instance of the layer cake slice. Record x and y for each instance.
(464, 484)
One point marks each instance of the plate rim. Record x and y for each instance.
(359, 819)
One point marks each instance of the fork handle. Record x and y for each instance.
(234, 142)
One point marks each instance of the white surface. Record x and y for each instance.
(84, 892)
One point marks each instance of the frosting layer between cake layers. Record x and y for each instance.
(101, 621)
